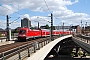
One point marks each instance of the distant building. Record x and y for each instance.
(17, 29)
(61, 27)
(86, 30)
(2, 32)
(43, 27)
(25, 22)
(77, 29)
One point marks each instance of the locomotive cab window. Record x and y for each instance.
(22, 31)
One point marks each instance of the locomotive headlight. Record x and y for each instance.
(24, 35)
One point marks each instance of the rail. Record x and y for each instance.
(83, 42)
(84, 38)
(23, 51)
(5, 38)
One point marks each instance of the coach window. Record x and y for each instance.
(22, 31)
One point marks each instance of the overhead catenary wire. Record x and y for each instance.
(44, 19)
(21, 14)
(17, 13)
(11, 10)
(14, 20)
(47, 6)
(11, 17)
(40, 18)
(40, 22)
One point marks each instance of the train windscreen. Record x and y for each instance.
(22, 32)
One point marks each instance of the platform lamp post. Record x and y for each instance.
(85, 27)
(63, 28)
(81, 26)
(71, 28)
(59, 27)
(38, 24)
(59, 30)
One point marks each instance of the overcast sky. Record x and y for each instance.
(71, 12)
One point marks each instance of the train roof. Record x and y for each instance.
(25, 28)
(45, 29)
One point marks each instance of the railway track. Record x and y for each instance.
(10, 48)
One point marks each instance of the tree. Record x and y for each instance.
(47, 26)
(1, 35)
(53, 27)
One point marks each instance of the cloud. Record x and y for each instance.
(26, 16)
(58, 7)
(11, 6)
(41, 19)
(15, 24)
(2, 24)
(70, 17)
(6, 9)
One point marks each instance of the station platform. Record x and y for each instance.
(4, 42)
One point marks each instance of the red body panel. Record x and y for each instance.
(33, 33)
